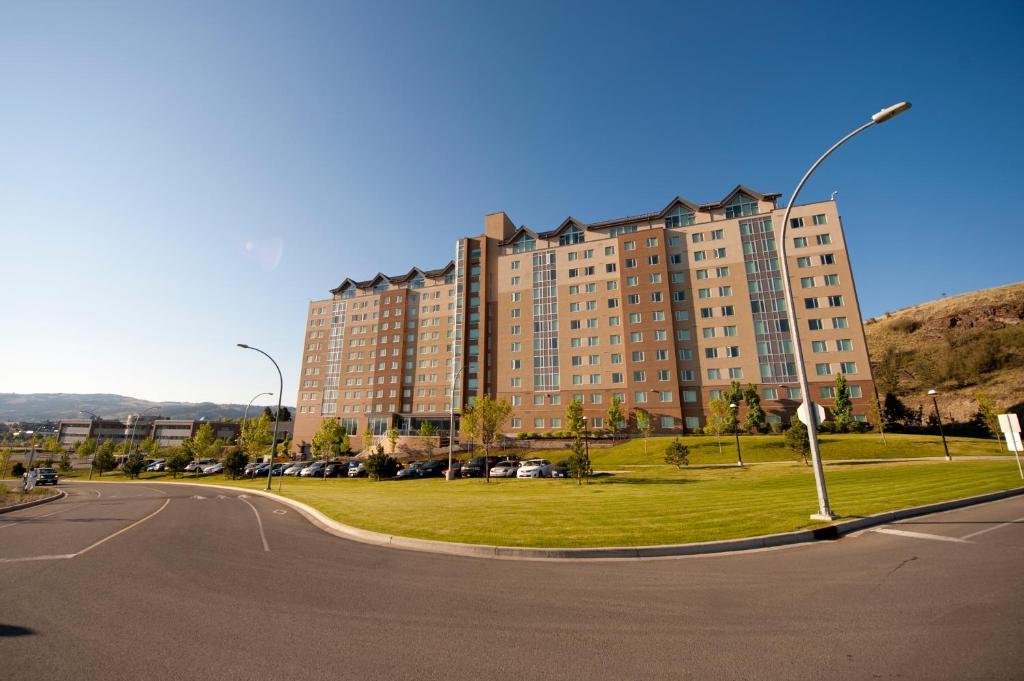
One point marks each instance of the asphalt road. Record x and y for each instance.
(136, 581)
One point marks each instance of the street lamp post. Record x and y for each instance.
(245, 414)
(824, 511)
(277, 416)
(938, 417)
(131, 436)
(451, 425)
(736, 431)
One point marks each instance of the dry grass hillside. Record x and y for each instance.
(961, 346)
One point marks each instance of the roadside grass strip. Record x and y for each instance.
(649, 506)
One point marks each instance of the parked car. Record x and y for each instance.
(356, 469)
(214, 468)
(197, 466)
(279, 468)
(534, 468)
(474, 468)
(260, 469)
(295, 468)
(505, 469)
(313, 470)
(433, 469)
(456, 469)
(157, 466)
(410, 471)
(336, 470)
(559, 470)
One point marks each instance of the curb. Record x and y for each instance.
(29, 504)
(825, 533)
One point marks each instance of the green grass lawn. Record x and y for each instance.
(655, 505)
(760, 448)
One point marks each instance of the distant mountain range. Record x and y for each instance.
(35, 407)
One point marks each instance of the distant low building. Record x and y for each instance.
(166, 432)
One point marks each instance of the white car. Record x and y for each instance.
(534, 468)
(214, 468)
(504, 469)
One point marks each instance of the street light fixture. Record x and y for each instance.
(245, 414)
(277, 416)
(735, 430)
(938, 417)
(824, 511)
(450, 475)
(131, 437)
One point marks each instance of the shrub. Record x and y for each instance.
(18, 469)
(234, 464)
(522, 436)
(579, 461)
(776, 427)
(133, 465)
(177, 462)
(677, 454)
(796, 439)
(381, 466)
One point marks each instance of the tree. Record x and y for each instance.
(285, 414)
(380, 466)
(875, 415)
(86, 447)
(484, 420)
(755, 419)
(643, 424)
(18, 469)
(330, 440)
(427, 429)
(579, 461)
(677, 454)
(256, 437)
(988, 415)
(177, 461)
(286, 444)
(734, 396)
(133, 465)
(615, 416)
(104, 459)
(842, 408)
(392, 436)
(895, 412)
(5, 458)
(797, 440)
(719, 418)
(149, 447)
(268, 412)
(235, 462)
(52, 445)
(574, 418)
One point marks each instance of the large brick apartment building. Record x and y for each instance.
(663, 309)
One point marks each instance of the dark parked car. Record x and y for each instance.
(474, 468)
(560, 470)
(433, 469)
(410, 471)
(336, 470)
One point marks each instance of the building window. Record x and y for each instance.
(823, 239)
(823, 369)
(796, 222)
(814, 324)
(741, 206)
(572, 235)
(848, 367)
(810, 303)
(679, 217)
(803, 262)
(835, 301)
(800, 242)
(820, 219)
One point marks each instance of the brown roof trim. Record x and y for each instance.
(396, 279)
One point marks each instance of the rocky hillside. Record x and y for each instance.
(961, 346)
(41, 407)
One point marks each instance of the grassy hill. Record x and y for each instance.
(961, 346)
(38, 407)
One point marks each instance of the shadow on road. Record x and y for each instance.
(14, 630)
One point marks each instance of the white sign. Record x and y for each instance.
(819, 411)
(1010, 425)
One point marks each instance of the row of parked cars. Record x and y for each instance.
(500, 467)
(510, 467)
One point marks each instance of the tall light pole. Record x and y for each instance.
(938, 417)
(277, 416)
(131, 437)
(245, 414)
(824, 511)
(451, 425)
(736, 431)
(92, 464)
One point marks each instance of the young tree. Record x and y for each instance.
(677, 454)
(734, 396)
(269, 413)
(579, 460)
(615, 416)
(5, 458)
(755, 419)
(104, 459)
(988, 415)
(380, 466)
(52, 445)
(484, 420)
(256, 437)
(842, 408)
(427, 429)
(331, 440)
(86, 448)
(719, 418)
(574, 418)
(796, 439)
(133, 465)
(177, 460)
(235, 462)
(875, 415)
(286, 445)
(643, 424)
(392, 436)
(285, 414)
(895, 412)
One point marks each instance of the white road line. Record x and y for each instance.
(63, 556)
(124, 529)
(266, 546)
(920, 535)
(994, 527)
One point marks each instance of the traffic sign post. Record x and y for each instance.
(1010, 425)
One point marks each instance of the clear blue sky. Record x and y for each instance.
(179, 177)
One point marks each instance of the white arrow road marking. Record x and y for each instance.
(263, 536)
(920, 535)
(280, 511)
(221, 496)
(196, 496)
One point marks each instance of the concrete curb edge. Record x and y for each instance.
(827, 532)
(29, 504)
